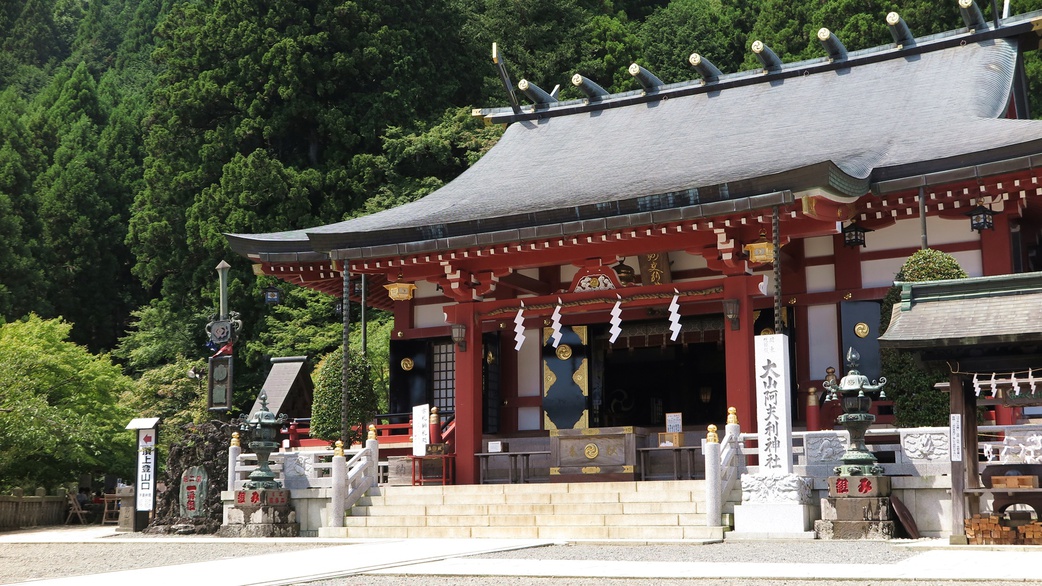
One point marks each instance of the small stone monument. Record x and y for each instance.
(775, 502)
(262, 508)
(194, 489)
(858, 505)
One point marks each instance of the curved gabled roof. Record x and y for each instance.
(835, 127)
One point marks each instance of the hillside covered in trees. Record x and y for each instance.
(134, 133)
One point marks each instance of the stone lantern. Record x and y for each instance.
(264, 428)
(852, 390)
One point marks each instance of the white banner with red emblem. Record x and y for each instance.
(146, 469)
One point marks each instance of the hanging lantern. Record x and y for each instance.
(272, 296)
(854, 235)
(761, 251)
(625, 273)
(981, 219)
(400, 291)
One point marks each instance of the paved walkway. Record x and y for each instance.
(424, 557)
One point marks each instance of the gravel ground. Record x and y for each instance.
(21, 562)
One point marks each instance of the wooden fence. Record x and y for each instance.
(17, 510)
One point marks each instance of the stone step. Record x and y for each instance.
(691, 533)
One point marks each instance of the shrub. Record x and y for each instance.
(910, 384)
(326, 405)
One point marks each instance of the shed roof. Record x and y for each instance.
(837, 127)
(962, 313)
(286, 377)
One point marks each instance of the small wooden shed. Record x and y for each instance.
(988, 331)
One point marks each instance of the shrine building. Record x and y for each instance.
(609, 260)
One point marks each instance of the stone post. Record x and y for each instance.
(714, 504)
(336, 510)
(373, 446)
(233, 460)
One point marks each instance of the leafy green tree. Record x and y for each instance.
(910, 383)
(60, 414)
(326, 407)
(711, 28)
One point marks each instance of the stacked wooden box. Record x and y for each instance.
(1030, 534)
(1014, 481)
(988, 530)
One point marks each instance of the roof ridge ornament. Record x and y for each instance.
(704, 67)
(833, 46)
(899, 30)
(647, 79)
(501, 65)
(588, 87)
(767, 57)
(536, 94)
(971, 15)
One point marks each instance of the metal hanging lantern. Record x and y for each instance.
(981, 219)
(854, 235)
(761, 251)
(272, 296)
(399, 291)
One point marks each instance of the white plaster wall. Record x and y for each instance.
(818, 246)
(529, 381)
(426, 289)
(880, 273)
(428, 316)
(682, 261)
(529, 418)
(568, 272)
(906, 233)
(971, 262)
(823, 331)
(821, 278)
(533, 273)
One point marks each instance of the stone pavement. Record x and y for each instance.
(444, 557)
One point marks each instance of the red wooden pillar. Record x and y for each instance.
(739, 349)
(996, 252)
(468, 396)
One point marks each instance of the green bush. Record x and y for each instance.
(910, 384)
(326, 405)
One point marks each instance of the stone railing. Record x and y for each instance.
(17, 510)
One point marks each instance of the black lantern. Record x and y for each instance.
(981, 218)
(459, 336)
(731, 312)
(272, 296)
(854, 235)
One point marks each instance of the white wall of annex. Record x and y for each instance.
(821, 278)
(823, 326)
(818, 246)
(529, 379)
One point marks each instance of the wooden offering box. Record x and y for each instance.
(1014, 481)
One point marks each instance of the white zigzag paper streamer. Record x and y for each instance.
(616, 321)
(1031, 379)
(994, 386)
(1014, 383)
(519, 327)
(976, 385)
(674, 317)
(555, 324)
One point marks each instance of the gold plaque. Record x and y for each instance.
(591, 451)
(407, 364)
(564, 352)
(591, 469)
(861, 329)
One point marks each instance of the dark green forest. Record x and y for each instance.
(134, 133)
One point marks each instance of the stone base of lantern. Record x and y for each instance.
(259, 513)
(858, 507)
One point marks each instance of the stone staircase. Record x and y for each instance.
(644, 511)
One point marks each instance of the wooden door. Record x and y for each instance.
(566, 379)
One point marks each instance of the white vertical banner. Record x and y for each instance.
(773, 419)
(955, 437)
(421, 429)
(146, 469)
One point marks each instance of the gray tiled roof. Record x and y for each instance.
(838, 129)
(1000, 310)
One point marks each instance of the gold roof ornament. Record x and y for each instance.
(338, 450)
(732, 416)
(761, 251)
(711, 437)
(372, 432)
(235, 439)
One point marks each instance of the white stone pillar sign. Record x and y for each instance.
(421, 429)
(773, 419)
(146, 468)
